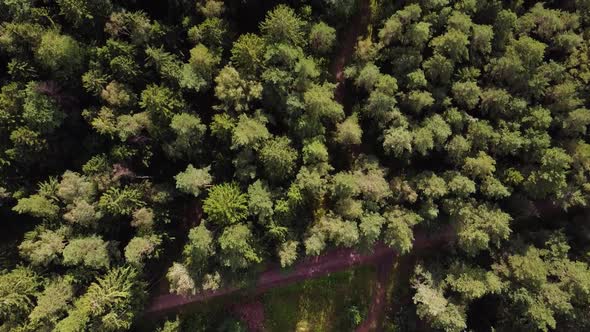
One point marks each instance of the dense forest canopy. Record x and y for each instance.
(201, 140)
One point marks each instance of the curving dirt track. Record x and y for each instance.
(333, 261)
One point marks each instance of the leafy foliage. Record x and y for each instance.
(453, 131)
(110, 303)
(226, 204)
(18, 288)
(236, 247)
(282, 24)
(193, 180)
(91, 252)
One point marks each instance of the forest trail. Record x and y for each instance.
(310, 267)
(377, 307)
(358, 27)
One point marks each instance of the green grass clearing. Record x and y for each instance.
(320, 305)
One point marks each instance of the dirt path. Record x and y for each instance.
(377, 307)
(333, 261)
(357, 28)
(385, 274)
(311, 267)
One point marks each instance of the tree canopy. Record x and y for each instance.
(202, 141)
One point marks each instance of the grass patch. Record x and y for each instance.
(320, 305)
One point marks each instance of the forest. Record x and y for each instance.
(186, 146)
